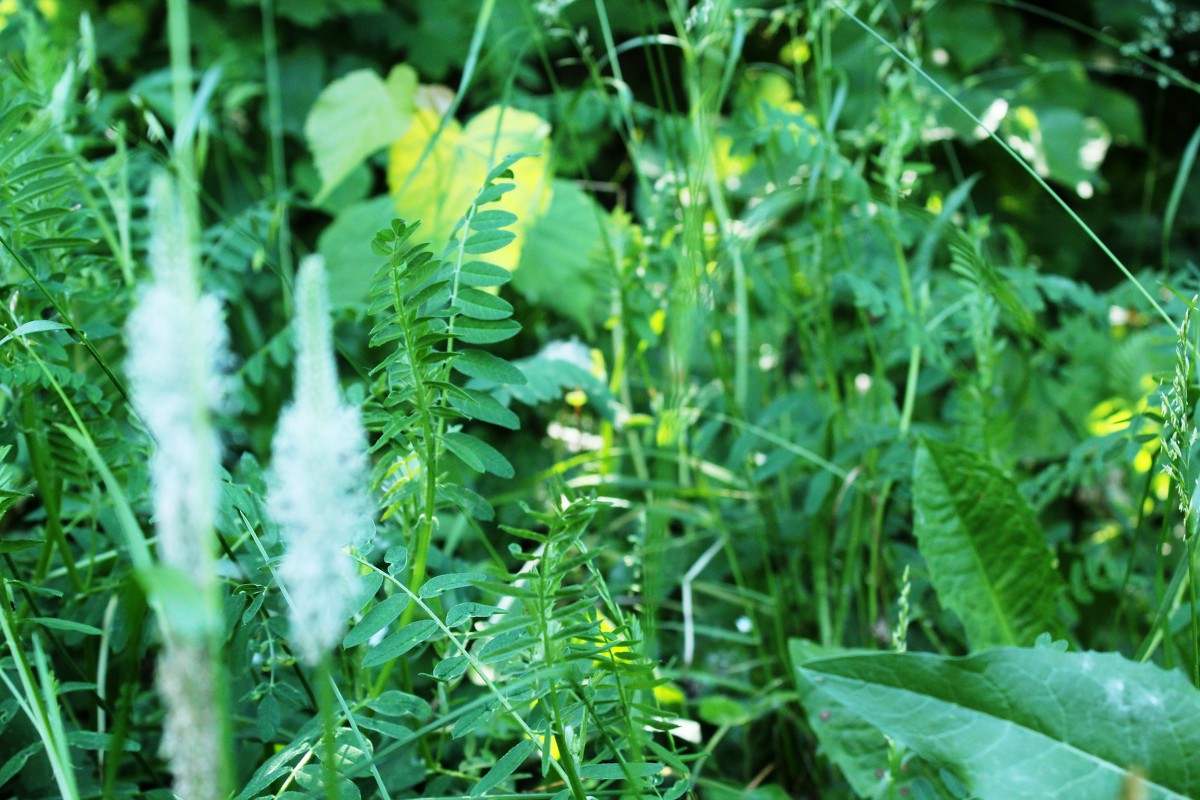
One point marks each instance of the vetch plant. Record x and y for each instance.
(318, 486)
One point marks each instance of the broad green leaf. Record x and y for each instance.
(346, 246)
(356, 115)
(440, 584)
(1037, 723)
(375, 620)
(400, 642)
(562, 264)
(70, 626)
(504, 766)
(478, 455)
(484, 365)
(854, 745)
(986, 554)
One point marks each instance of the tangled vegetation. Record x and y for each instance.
(573, 399)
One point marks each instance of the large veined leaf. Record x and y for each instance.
(563, 265)
(356, 115)
(346, 246)
(986, 553)
(854, 745)
(1015, 723)
(446, 183)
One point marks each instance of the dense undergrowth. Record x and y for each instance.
(585, 399)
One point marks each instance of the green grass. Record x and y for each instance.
(807, 417)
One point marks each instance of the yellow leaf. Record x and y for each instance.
(444, 185)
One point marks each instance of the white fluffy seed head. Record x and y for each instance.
(191, 730)
(317, 490)
(178, 347)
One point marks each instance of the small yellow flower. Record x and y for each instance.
(795, 52)
(1116, 414)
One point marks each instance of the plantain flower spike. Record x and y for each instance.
(317, 491)
(177, 348)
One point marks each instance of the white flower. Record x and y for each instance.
(177, 348)
(319, 477)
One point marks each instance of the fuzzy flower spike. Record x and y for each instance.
(177, 348)
(319, 477)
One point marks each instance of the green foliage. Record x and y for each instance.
(795, 360)
(1015, 722)
(987, 559)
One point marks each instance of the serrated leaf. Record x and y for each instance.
(1015, 723)
(484, 242)
(400, 642)
(379, 617)
(440, 584)
(481, 331)
(478, 455)
(505, 765)
(987, 556)
(485, 366)
(356, 115)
